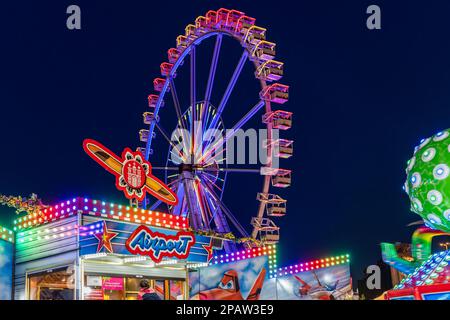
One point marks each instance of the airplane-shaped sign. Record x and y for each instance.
(133, 173)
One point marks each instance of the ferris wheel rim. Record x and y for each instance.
(171, 75)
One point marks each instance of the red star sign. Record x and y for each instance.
(104, 239)
(209, 249)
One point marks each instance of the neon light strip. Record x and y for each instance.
(269, 251)
(101, 209)
(314, 265)
(429, 272)
(59, 232)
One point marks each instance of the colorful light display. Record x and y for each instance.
(429, 281)
(314, 265)
(6, 234)
(100, 209)
(269, 250)
(435, 270)
(47, 234)
(428, 181)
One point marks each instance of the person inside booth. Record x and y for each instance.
(146, 292)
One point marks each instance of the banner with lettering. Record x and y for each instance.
(158, 244)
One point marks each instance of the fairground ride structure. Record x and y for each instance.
(199, 176)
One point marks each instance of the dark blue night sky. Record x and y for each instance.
(362, 101)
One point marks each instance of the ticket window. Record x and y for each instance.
(52, 284)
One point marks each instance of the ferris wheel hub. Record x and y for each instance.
(185, 167)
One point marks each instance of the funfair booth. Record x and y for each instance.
(89, 249)
(93, 250)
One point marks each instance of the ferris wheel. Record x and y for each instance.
(199, 175)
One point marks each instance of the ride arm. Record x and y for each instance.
(391, 257)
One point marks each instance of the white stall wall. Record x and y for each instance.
(48, 246)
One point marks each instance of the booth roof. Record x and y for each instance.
(102, 209)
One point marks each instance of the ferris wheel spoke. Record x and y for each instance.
(193, 79)
(204, 206)
(229, 89)
(166, 168)
(191, 197)
(170, 184)
(243, 121)
(176, 103)
(230, 133)
(220, 221)
(213, 68)
(193, 117)
(206, 121)
(175, 147)
(211, 182)
(212, 176)
(224, 183)
(212, 75)
(225, 210)
(155, 205)
(212, 204)
(240, 170)
(179, 189)
(216, 215)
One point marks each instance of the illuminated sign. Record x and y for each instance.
(104, 237)
(115, 284)
(133, 173)
(157, 246)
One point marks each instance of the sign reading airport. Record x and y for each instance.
(157, 245)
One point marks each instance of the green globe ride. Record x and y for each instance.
(428, 181)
